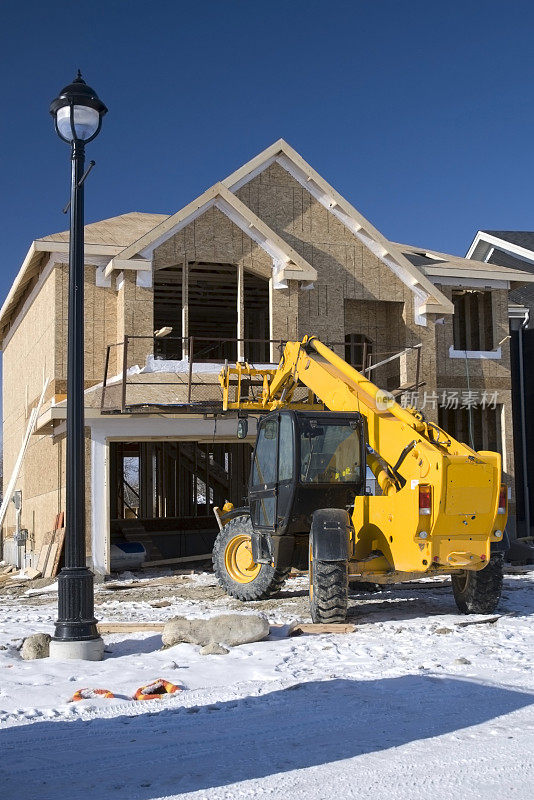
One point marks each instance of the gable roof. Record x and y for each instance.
(119, 231)
(436, 264)
(292, 265)
(521, 238)
(428, 297)
(505, 259)
(103, 239)
(515, 243)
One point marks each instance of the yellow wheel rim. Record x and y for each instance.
(238, 560)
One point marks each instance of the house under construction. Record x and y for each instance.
(271, 253)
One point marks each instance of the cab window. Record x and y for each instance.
(330, 452)
(285, 449)
(264, 466)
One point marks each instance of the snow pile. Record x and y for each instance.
(161, 365)
(411, 705)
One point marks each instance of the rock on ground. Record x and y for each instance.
(213, 649)
(36, 646)
(230, 629)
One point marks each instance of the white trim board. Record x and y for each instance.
(481, 355)
(481, 283)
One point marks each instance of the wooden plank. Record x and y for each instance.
(59, 540)
(518, 570)
(299, 628)
(43, 556)
(486, 621)
(32, 573)
(182, 560)
(45, 550)
(51, 559)
(129, 627)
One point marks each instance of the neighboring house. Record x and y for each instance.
(515, 250)
(271, 253)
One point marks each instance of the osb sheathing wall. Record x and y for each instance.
(38, 350)
(213, 237)
(100, 327)
(353, 279)
(135, 317)
(28, 359)
(346, 271)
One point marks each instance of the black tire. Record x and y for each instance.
(329, 590)
(479, 592)
(268, 580)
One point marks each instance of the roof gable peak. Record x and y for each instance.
(427, 297)
(287, 263)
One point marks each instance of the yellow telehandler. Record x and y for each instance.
(440, 508)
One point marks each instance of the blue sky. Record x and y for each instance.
(420, 113)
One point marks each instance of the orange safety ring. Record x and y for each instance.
(89, 694)
(156, 690)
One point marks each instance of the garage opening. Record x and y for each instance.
(163, 494)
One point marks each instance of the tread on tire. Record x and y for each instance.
(269, 579)
(479, 592)
(328, 591)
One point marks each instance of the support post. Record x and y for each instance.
(190, 375)
(185, 308)
(240, 313)
(124, 373)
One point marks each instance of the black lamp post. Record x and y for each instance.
(77, 113)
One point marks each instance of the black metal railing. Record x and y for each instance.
(195, 352)
(197, 386)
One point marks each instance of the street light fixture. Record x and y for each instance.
(77, 113)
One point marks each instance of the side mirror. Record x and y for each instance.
(242, 428)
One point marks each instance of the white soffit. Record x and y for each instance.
(427, 297)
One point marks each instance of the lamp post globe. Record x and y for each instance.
(77, 113)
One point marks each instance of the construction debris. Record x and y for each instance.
(156, 690)
(129, 627)
(299, 628)
(485, 621)
(91, 694)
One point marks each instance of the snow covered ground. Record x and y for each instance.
(411, 705)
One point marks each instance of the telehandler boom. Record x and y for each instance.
(440, 508)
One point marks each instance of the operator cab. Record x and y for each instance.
(304, 461)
